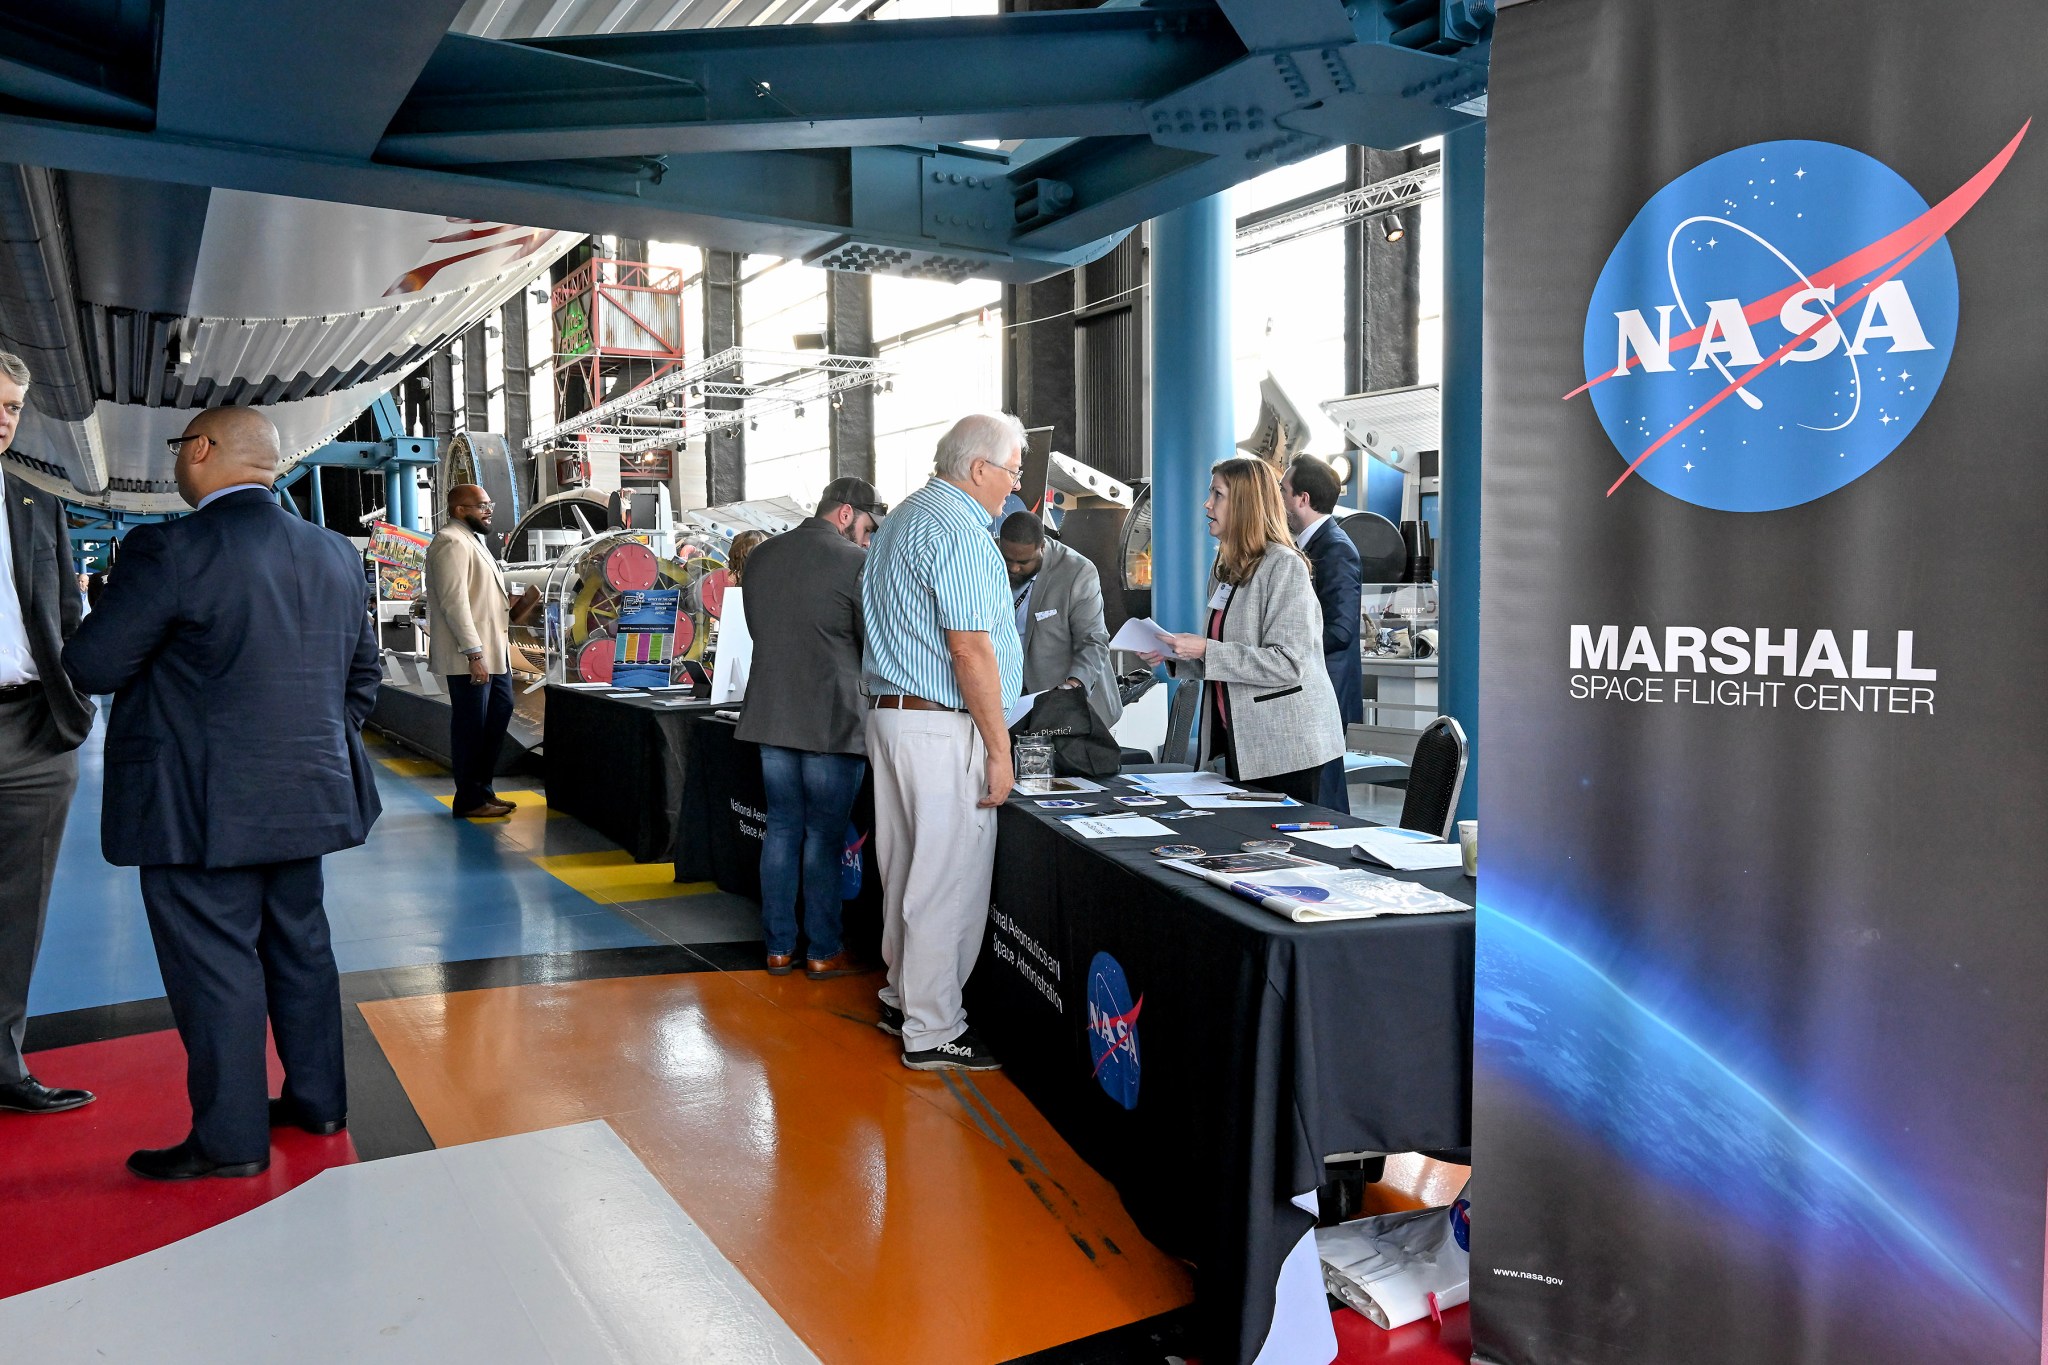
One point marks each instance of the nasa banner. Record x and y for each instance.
(1761, 1036)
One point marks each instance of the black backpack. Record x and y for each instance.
(1082, 745)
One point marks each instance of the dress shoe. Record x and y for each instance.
(187, 1162)
(285, 1114)
(840, 963)
(780, 964)
(488, 810)
(30, 1096)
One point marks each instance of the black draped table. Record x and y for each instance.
(620, 763)
(724, 813)
(1249, 1047)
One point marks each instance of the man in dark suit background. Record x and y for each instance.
(43, 720)
(1058, 596)
(1310, 490)
(804, 708)
(243, 662)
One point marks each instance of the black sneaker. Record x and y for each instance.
(964, 1053)
(891, 1021)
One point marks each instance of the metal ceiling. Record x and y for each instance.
(736, 124)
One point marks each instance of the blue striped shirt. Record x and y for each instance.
(933, 567)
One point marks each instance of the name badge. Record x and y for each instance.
(1221, 599)
(1042, 615)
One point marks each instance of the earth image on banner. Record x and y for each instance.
(1621, 1075)
(1113, 1030)
(1772, 325)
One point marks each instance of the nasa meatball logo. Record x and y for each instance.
(1774, 323)
(1113, 1030)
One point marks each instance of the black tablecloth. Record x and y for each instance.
(1262, 1045)
(724, 811)
(620, 764)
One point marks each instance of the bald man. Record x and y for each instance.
(468, 645)
(239, 647)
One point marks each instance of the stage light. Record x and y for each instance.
(1394, 229)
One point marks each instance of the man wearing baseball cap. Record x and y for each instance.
(804, 708)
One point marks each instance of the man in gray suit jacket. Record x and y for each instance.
(804, 708)
(43, 720)
(1059, 615)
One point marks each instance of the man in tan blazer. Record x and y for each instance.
(467, 644)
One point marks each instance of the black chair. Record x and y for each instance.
(1435, 777)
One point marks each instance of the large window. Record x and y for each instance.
(946, 345)
(1287, 305)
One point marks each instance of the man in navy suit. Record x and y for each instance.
(239, 648)
(1310, 490)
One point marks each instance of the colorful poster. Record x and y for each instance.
(645, 640)
(1760, 1073)
(401, 559)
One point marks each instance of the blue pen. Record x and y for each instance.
(1312, 824)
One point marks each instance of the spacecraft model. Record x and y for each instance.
(136, 303)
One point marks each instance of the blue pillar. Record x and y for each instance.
(408, 497)
(319, 505)
(395, 475)
(1458, 506)
(1192, 422)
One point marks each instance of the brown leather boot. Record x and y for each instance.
(780, 964)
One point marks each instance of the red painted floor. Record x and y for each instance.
(67, 1203)
(1419, 1343)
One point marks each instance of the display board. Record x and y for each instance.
(1762, 986)
(401, 559)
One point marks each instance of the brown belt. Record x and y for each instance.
(899, 701)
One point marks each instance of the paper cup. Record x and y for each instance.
(1468, 844)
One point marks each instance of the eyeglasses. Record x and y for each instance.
(1016, 472)
(177, 443)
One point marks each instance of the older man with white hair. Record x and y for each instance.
(942, 665)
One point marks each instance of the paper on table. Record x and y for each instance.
(1404, 850)
(1055, 786)
(586, 686)
(1184, 784)
(1020, 708)
(1312, 895)
(1266, 801)
(1140, 634)
(1116, 827)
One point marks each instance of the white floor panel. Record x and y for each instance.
(551, 1247)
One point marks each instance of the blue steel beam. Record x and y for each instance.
(806, 85)
(1204, 97)
(1458, 506)
(313, 75)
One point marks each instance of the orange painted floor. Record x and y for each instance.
(887, 1215)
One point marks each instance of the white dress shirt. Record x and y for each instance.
(219, 493)
(17, 662)
(1308, 533)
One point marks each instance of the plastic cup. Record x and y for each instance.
(1468, 844)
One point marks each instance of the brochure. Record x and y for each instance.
(1115, 827)
(1404, 850)
(1316, 893)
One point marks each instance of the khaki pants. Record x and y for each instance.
(937, 852)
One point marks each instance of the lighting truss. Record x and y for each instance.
(1348, 206)
(720, 392)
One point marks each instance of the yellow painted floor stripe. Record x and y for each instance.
(414, 767)
(613, 877)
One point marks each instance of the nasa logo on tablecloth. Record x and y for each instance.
(1113, 1030)
(1774, 323)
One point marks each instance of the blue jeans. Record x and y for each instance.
(810, 798)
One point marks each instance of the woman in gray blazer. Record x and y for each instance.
(1269, 711)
